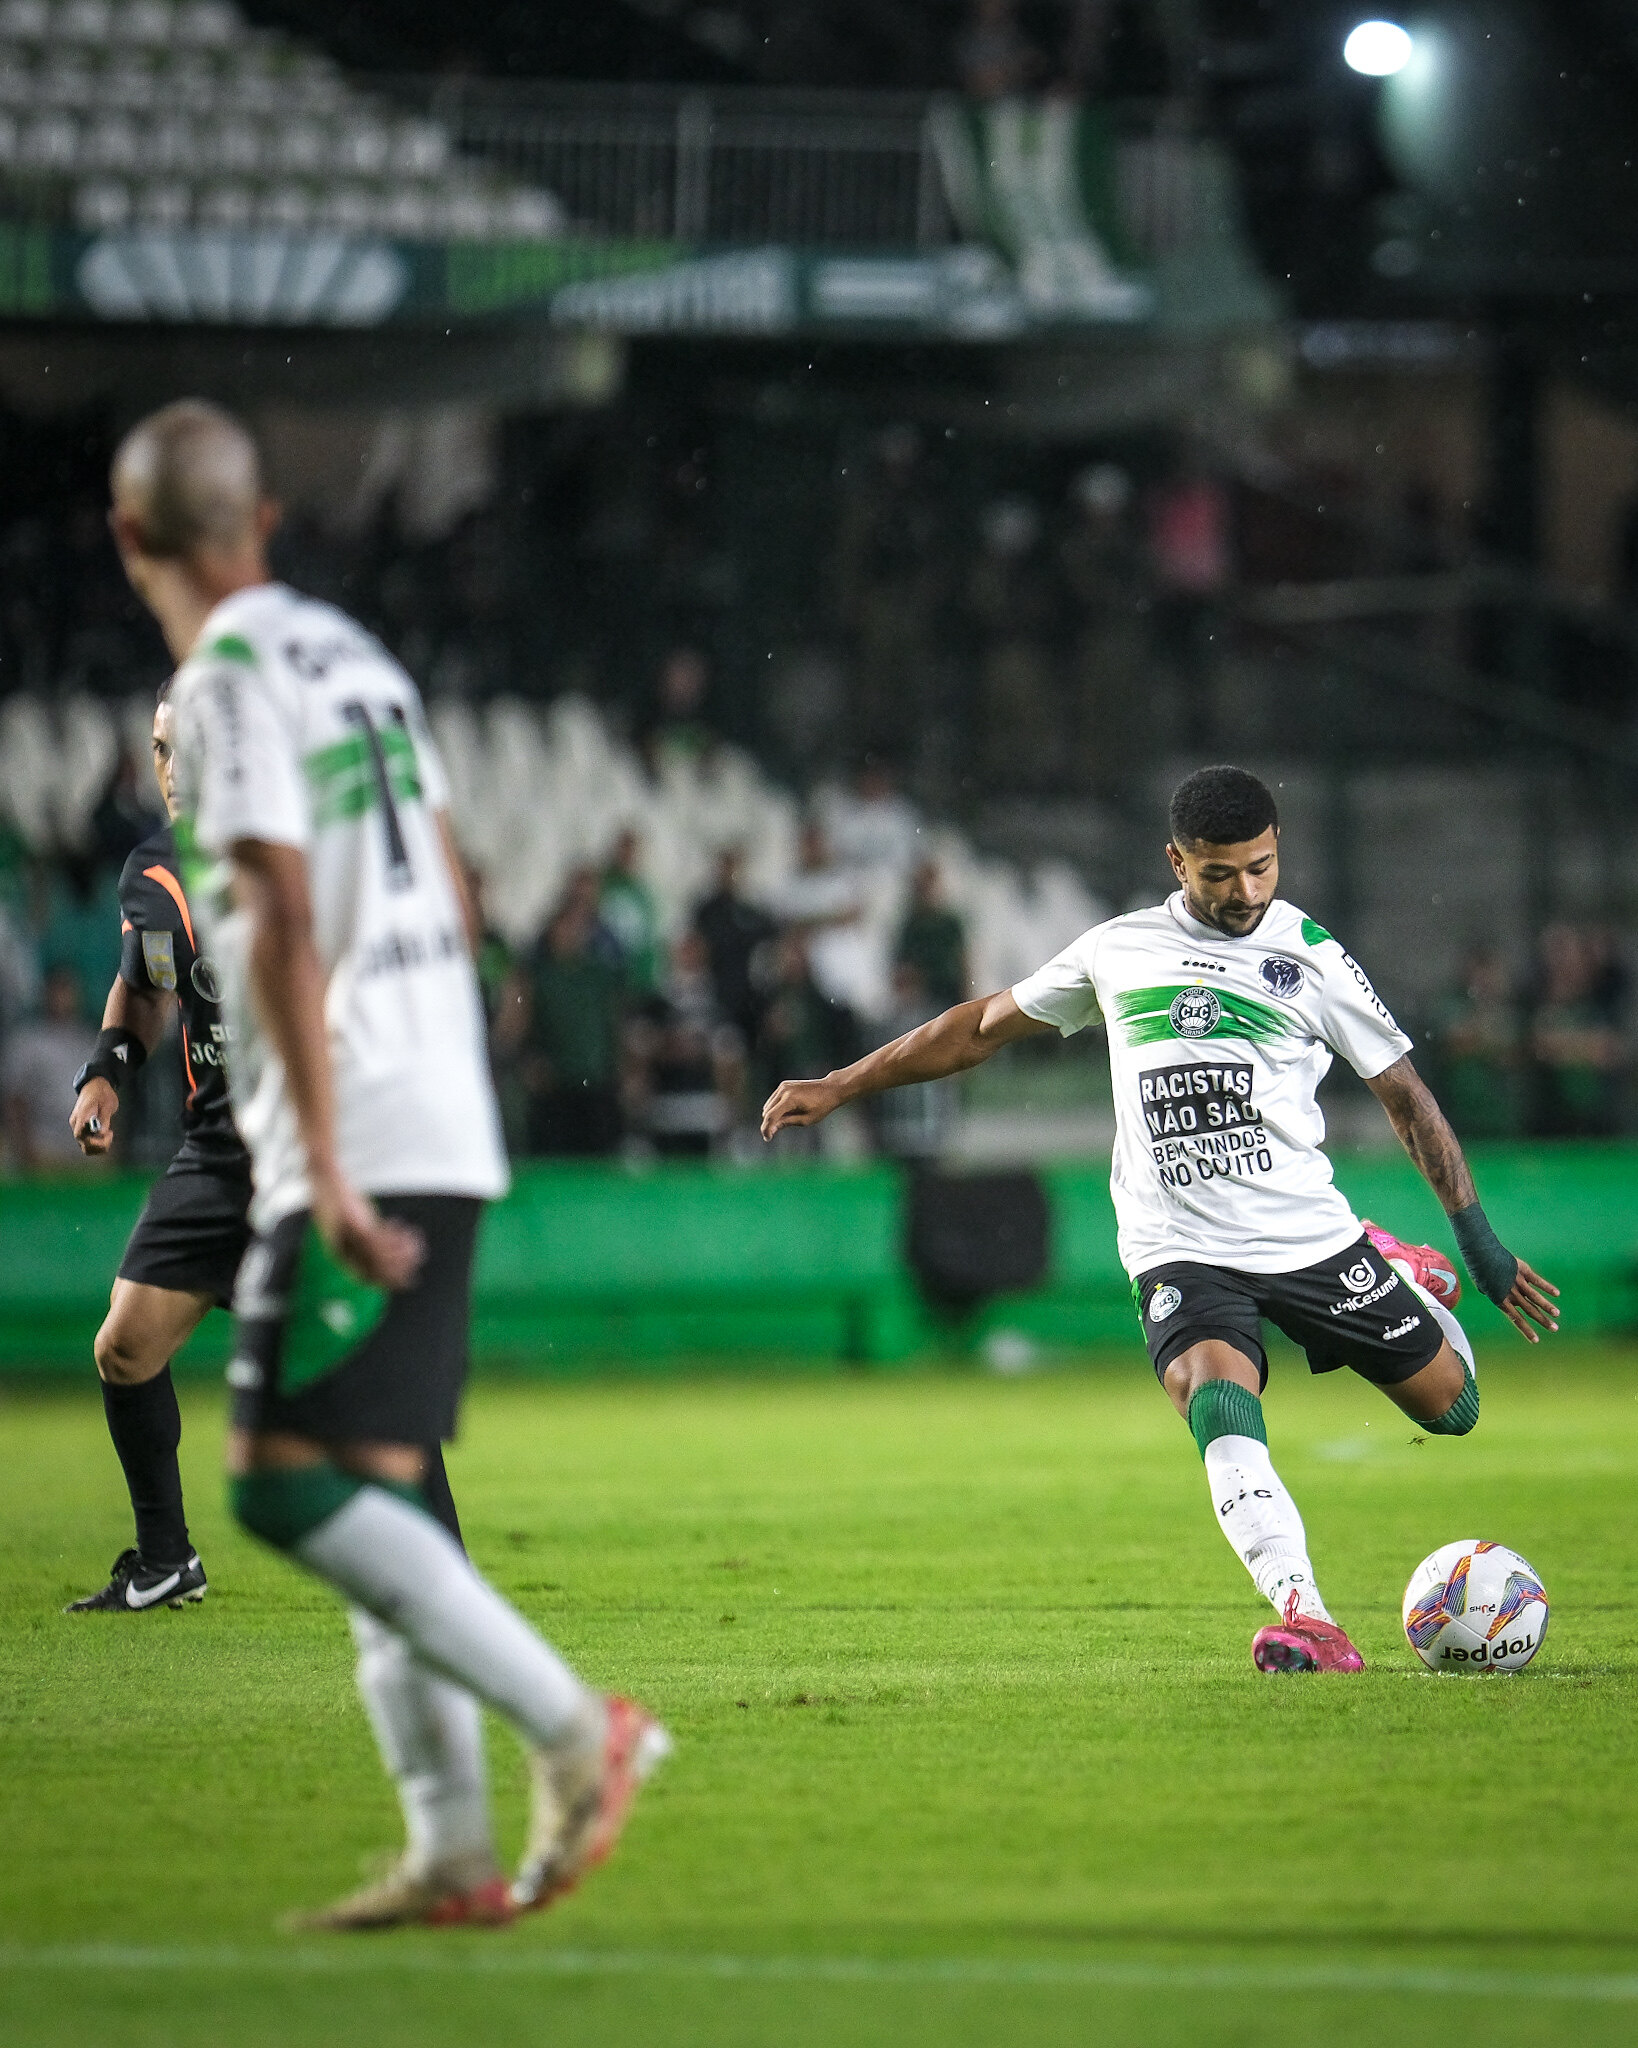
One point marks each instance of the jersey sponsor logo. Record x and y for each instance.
(203, 977)
(1195, 1012)
(1211, 966)
(1402, 1329)
(1281, 977)
(1369, 993)
(159, 957)
(1164, 1302)
(1178, 1101)
(1364, 1288)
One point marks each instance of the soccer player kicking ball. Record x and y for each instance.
(1224, 1006)
(312, 829)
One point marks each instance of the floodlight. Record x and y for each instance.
(1377, 48)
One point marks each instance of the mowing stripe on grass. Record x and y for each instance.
(376, 1960)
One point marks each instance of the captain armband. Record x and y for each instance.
(115, 1058)
(1492, 1265)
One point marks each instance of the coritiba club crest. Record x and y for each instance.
(1195, 1012)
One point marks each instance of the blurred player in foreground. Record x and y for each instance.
(194, 1227)
(1224, 1006)
(312, 828)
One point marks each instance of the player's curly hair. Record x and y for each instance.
(1221, 807)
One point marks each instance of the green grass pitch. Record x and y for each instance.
(970, 1748)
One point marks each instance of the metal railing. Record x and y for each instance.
(801, 169)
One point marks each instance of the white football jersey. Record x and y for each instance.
(1216, 1048)
(294, 725)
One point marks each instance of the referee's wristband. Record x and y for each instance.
(114, 1059)
(1492, 1265)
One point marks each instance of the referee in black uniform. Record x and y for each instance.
(192, 1233)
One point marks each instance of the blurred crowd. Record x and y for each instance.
(1545, 1054)
(608, 1037)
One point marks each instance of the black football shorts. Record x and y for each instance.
(1351, 1309)
(192, 1232)
(320, 1354)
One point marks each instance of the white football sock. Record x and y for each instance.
(1261, 1522)
(1454, 1332)
(397, 1563)
(430, 1735)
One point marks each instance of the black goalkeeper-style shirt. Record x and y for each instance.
(157, 952)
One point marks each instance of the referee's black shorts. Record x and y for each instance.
(320, 1355)
(193, 1229)
(1350, 1309)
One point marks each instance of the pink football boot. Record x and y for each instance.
(1299, 1643)
(1430, 1269)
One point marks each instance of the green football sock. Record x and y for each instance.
(281, 1507)
(1225, 1408)
(1462, 1413)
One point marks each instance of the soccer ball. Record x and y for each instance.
(1474, 1607)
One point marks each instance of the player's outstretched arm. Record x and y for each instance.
(949, 1044)
(287, 985)
(1521, 1294)
(129, 1014)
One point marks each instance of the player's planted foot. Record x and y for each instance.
(1300, 1642)
(133, 1587)
(465, 1892)
(582, 1794)
(1423, 1263)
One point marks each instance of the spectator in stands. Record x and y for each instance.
(78, 919)
(37, 1081)
(824, 903)
(932, 944)
(804, 1031)
(1013, 599)
(1478, 1046)
(1191, 557)
(873, 825)
(630, 915)
(571, 1048)
(1577, 1045)
(688, 1060)
(892, 587)
(677, 727)
(914, 1124)
(997, 60)
(1109, 597)
(736, 935)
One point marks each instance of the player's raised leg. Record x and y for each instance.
(144, 1329)
(1217, 1390)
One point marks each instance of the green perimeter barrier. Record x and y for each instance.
(587, 1266)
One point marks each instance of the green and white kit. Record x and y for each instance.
(1216, 1048)
(295, 726)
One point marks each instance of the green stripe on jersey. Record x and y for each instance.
(341, 778)
(1149, 1015)
(1314, 934)
(231, 647)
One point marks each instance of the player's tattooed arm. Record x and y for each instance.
(1521, 1294)
(960, 1038)
(141, 1011)
(1420, 1126)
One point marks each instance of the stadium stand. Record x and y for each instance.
(541, 791)
(152, 114)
